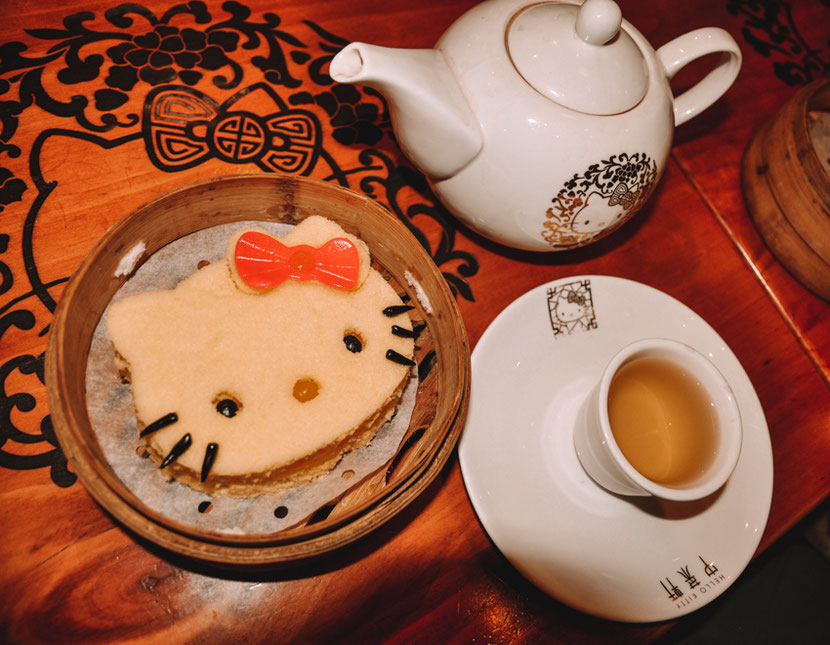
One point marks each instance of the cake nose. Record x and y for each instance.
(306, 389)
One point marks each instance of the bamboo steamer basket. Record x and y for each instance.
(787, 187)
(442, 352)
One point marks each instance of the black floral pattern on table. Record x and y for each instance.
(11, 188)
(166, 54)
(93, 69)
(770, 29)
(393, 179)
(6, 277)
(354, 121)
(53, 458)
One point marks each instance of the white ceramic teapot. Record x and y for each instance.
(543, 125)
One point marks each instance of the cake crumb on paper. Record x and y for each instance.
(127, 264)
(420, 294)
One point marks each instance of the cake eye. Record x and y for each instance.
(353, 341)
(227, 405)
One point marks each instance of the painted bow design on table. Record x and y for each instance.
(263, 262)
(184, 127)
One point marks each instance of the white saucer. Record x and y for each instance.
(628, 559)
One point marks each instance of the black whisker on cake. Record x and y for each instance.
(400, 359)
(403, 332)
(178, 450)
(210, 457)
(168, 419)
(397, 310)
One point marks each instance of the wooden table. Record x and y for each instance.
(76, 81)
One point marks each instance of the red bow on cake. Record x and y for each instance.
(263, 262)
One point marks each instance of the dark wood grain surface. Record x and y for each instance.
(74, 158)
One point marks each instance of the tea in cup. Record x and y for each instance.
(661, 421)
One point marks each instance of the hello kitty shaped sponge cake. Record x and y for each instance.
(258, 372)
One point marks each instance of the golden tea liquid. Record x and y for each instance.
(662, 420)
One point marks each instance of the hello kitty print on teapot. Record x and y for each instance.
(542, 125)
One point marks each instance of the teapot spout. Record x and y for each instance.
(432, 120)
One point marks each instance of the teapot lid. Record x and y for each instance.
(578, 56)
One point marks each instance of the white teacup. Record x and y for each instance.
(662, 421)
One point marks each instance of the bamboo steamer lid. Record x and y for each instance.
(786, 184)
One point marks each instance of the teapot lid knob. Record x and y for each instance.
(598, 21)
(579, 56)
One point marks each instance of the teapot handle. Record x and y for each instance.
(683, 50)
